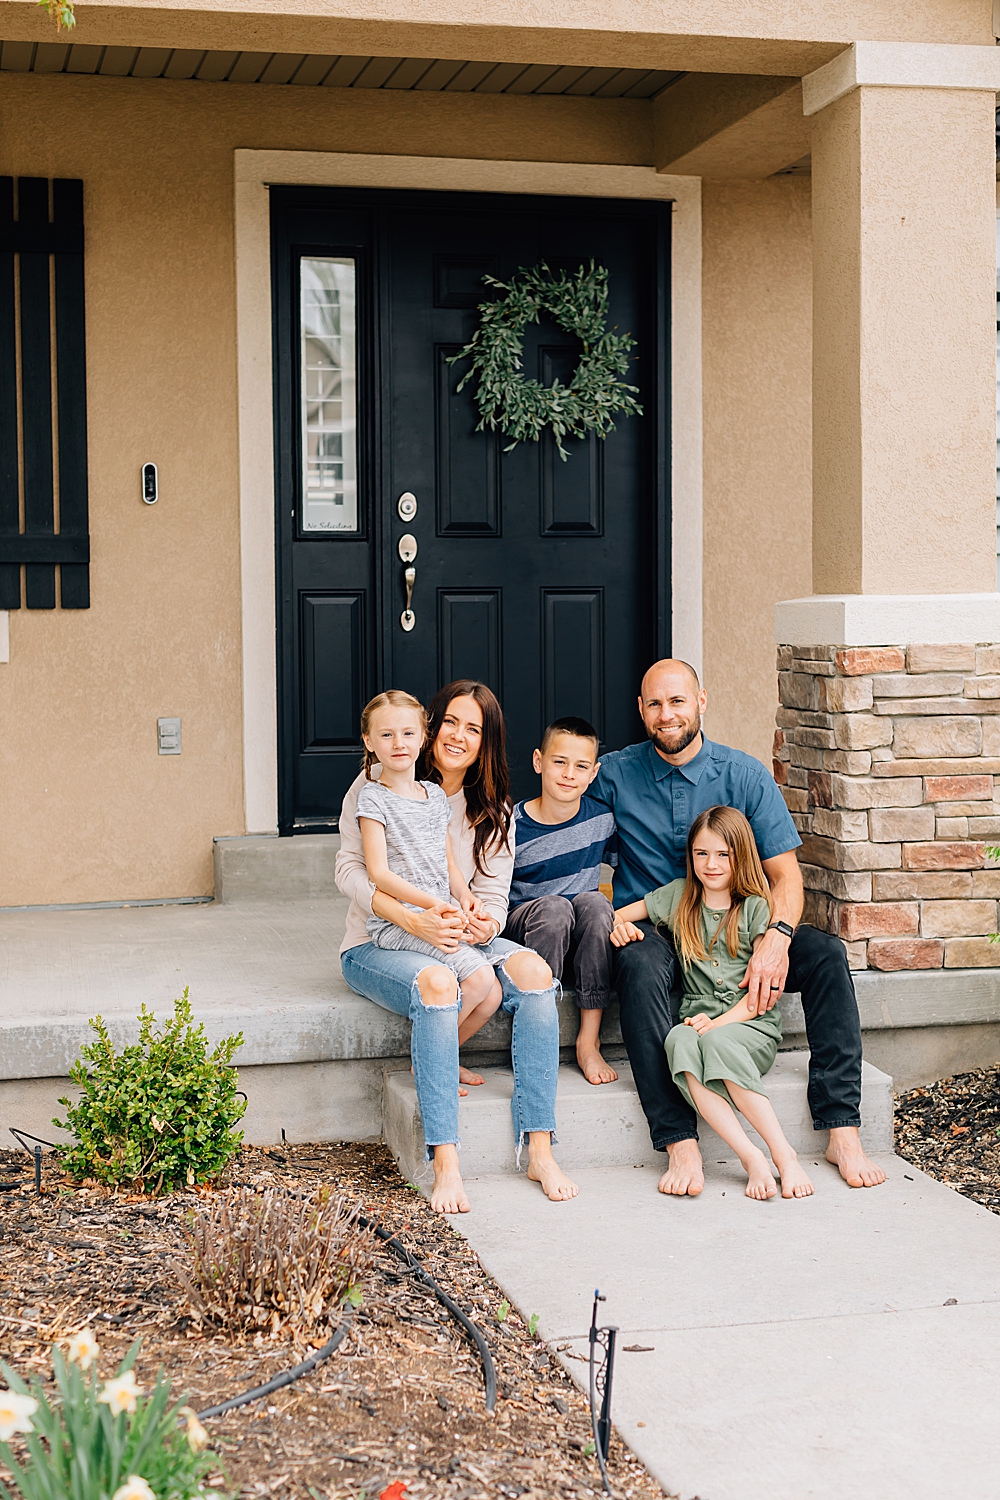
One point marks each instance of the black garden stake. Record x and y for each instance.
(602, 1370)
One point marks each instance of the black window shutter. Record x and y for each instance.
(41, 271)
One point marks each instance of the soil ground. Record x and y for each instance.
(402, 1399)
(951, 1131)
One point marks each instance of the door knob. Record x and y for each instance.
(408, 619)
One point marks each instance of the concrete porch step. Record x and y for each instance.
(605, 1126)
(263, 867)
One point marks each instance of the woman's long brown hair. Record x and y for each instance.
(487, 782)
(747, 879)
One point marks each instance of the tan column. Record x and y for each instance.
(904, 211)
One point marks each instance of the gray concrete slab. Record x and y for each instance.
(268, 969)
(62, 963)
(843, 1347)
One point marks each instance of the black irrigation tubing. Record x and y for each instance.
(470, 1329)
(285, 1378)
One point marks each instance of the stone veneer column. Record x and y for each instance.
(888, 752)
(888, 758)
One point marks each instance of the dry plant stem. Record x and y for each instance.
(272, 1262)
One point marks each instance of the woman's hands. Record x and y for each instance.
(442, 925)
(700, 1022)
(480, 927)
(623, 933)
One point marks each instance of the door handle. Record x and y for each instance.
(407, 549)
(408, 619)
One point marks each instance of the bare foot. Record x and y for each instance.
(448, 1194)
(547, 1172)
(794, 1182)
(760, 1178)
(466, 1075)
(684, 1176)
(846, 1154)
(592, 1065)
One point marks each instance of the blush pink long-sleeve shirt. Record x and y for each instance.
(352, 875)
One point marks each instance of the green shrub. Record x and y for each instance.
(100, 1442)
(158, 1115)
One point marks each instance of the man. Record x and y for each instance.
(655, 790)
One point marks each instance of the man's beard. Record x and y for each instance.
(680, 738)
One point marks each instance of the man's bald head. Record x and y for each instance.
(671, 665)
(671, 703)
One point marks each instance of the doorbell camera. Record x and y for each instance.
(150, 484)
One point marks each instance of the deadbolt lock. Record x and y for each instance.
(406, 506)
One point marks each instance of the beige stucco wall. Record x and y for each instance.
(88, 810)
(757, 292)
(904, 351)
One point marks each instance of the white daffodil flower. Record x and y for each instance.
(82, 1348)
(196, 1434)
(15, 1414)
(134, 1488)
(120, 1394)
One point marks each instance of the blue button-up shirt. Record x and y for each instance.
(655, 803)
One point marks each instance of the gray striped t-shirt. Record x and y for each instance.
(562, 859)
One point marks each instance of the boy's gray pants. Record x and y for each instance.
(562, 929)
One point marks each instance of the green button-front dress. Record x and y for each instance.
(743, 1050)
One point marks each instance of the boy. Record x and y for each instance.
(560, 839)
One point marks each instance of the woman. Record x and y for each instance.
(465, 754)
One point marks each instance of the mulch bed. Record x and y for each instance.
(402, 1399)
(951, 1131)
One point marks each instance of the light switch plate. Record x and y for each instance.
(168, 736)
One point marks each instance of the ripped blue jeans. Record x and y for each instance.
(389, 978)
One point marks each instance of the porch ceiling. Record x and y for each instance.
(434, 75)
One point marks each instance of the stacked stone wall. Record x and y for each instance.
(888, 758)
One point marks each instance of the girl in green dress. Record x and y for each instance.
(720, 1052)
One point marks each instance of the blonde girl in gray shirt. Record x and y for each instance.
(408, 853)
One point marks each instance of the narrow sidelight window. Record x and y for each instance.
(329, 394)
(44, 532)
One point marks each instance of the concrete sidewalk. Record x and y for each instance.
(842, 1347)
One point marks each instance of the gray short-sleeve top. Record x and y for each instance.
(415, 835)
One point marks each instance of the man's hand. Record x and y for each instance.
(700, 1022)
(766, 972)
(442, 925)
(624, 933)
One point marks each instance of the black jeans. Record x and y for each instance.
(559, 928)
(647, 977)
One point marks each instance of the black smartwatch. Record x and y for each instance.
(783, 927)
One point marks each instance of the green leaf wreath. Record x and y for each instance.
(523, 408)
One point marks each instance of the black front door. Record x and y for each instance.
(546, 579)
